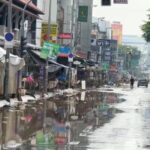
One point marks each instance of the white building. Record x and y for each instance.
(45, 6)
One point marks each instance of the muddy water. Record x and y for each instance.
(67, 119)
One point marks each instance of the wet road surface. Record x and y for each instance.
(128, 130)
(115, 119)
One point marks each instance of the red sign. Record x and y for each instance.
(81, 54)
(121, 1)
(65, 36)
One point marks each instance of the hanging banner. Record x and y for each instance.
(83, 14)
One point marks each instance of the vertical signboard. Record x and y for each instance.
(83, 14)
(117, 32)
(108, 50)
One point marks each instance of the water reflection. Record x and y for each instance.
(68, 119)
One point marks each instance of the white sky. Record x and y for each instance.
(131, 15)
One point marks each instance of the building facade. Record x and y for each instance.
(32, 13)
(85, 27)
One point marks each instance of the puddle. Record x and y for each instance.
(60, 116)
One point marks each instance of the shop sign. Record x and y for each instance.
(53, 32)
(50, 50)
(83, 13)
(65, 36)
(103, 42)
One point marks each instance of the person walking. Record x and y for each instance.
(132, 82)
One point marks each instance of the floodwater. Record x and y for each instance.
(90, 120)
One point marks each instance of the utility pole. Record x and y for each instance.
(6, 81)
(72, 43)
(49, 32)
(22, 28)
(46, 69)
(22, 45)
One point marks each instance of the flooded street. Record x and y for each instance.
(107, 119)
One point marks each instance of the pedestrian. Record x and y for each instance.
(132, 82)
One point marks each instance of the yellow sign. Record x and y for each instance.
(53, 31)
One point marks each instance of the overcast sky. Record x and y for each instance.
(131, 15)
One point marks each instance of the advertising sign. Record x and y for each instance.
(108, 50)
(65, 36)
(53, 31)
(49, 50)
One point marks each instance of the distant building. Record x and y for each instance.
(117, 31)
(136, 41)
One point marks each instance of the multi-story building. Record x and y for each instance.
(135, 41)
(71, 32)
(85, 27)
(100, 39)
(32, 13)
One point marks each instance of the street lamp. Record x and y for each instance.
(23, 16)
(22, 29)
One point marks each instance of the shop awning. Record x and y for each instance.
(31, 5)
(36, 57)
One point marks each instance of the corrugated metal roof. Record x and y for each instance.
(31, 5)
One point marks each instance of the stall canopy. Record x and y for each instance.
(52, 64)
(15, 64)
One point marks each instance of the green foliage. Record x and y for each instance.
(146, 29)
(130, 55)
(124, 49)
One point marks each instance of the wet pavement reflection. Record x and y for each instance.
(68, 119)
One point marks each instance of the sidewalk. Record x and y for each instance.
(14, 101)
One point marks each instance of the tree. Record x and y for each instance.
(146, 29)
(130, 55)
